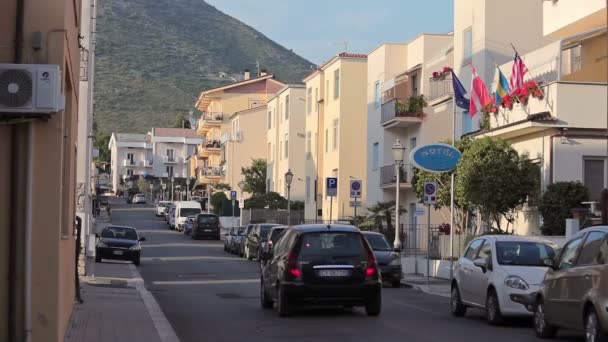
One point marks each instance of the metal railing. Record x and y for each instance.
(440, 87)
(212, 116)
(388, 174)
(212, 171)
(392, 109)
(212, 143)
(170, 159)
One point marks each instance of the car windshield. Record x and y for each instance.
(276, 233)
(189, 212)
(334, 244)
(241, 231)
(207, 219)
(264, 230)
(523, 253)
(119, 233)
(378, 242)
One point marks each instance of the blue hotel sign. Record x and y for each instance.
(435, 157)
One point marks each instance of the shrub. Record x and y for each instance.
(556, 203)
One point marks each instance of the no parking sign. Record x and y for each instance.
(430, 193)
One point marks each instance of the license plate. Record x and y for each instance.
(207, 230)
(118, 252)
(334, 273)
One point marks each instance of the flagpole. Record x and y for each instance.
(530, 73)
(452, 230)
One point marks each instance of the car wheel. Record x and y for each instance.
(374, 305)
(542, 328)
(493, 314)
(593, 328)
(457, 308)
(265, 301)
(396, 283)
(136, 261)
(283, 305)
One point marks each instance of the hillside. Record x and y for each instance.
(154, 57)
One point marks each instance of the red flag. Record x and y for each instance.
(517, 73)
(479, 94)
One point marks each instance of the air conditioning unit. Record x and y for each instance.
(30, 88)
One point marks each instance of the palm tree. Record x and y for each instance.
(385, 211)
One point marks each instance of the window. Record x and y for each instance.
(332, 245)
(602, 257)
(170, 155)
(377, 94)
(326, 91)
(568, 257)
(472, 250)
(523, 253)
(307, 189)
(317, 100)
(335, 136)
(281, 150)
(336, 83)
(375, 156)
(286, 146)
(280, 113)
(308, 144)
(594, 177)
(326, 140)
(309, 100)
(467, 122)
(486, 253)
(467, 44)
(270, 152)
(414, 85)
(130, 172)
(286, 107)
(590, 252)
(130, 158)
(316, 142)
(269, 119)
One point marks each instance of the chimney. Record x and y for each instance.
(263, 72)
(247, 75)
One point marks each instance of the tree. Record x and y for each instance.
(181, 122)
(461, 205)
(493, 177)
(142, 185)
(255, 177)
(556, 203)
(385, 211)
(272, 200)
(101, 142)
(217, 201)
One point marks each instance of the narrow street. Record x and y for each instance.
(211, 295)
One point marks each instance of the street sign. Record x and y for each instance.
(355, 204)
(233, 195)
(430, 193)
(356, 186)
(331, 184)
(435, 157)
(241, 203)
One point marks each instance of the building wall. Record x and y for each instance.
(564, 17)
(272, 144)
(315, 125)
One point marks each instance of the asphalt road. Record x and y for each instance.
(210, 295)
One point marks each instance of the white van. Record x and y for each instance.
(183, 209)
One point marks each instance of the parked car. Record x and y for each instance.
(256, 240)
(231, 235)
(188, 225)
(321, 264)
(388, 259)
(498, 273)
(248, 231)
(161, 208)
(273, 237)
(183, 209)
(238, 241)
(171, 217)
(139, 199)
(574, 292)
(118, 242)
(206, 225)
(167, 210)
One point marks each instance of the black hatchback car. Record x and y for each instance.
(206, 225)
(388, 259)
(321, 265)
(120, 243)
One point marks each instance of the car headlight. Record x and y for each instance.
(135, 248)
(263, 244)
(516, 283)
(102, 245)
(395, 262)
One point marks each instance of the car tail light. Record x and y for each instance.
(292, 266)
(371, 269)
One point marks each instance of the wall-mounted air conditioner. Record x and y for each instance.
(30, 88)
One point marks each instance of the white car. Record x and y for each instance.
(161, 208)
(498, 273)
(183, 209)
(139, 198)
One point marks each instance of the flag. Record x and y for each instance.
(502, 87)
(459, 92)
(479, 94)
(517, 73)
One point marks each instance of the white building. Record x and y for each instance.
(131, 155)
(170, 149)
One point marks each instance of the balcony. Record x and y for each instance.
(209, 147)
(388, 177)
(129, 163)
(440, 89)
(148, 163)
(397, 113)
(209, 120)
(211, 174)
(171, 160)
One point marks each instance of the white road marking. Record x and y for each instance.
(189, 258)
(177, 244)
(206, 282)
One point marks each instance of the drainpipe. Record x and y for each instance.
(29, 195)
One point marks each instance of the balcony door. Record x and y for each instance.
(170, 155)
(130, 158)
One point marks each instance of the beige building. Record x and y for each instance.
(336, 123)
(215, 127)
(288, 142)
(564, 132)
(38, 177)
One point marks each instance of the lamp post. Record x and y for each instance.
(241, 186)
(151, 191)
(209, 189)
(172, 181)
(288, 180)
(398, 152)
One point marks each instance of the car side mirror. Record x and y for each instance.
(143, 238)
(481, 263)
(549, 262)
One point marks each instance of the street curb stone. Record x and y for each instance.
(423, 289)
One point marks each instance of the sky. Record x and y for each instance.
(318, 29)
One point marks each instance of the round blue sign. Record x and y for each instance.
(435, 157)
(429, 189)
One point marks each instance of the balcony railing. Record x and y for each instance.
(440, 87)
(388, 175)
(171, 159)
(397, 108)
(129, 162)
(212, 116)
(212, 171)
(148, 163)
(212, 143)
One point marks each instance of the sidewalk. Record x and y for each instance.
(435, 286)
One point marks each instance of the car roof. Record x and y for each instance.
(592, 228)
(116, 226)
(505, 237)
(279, 227)
(268, 224)
(313, 228)
(367, 232)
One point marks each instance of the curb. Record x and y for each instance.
(163, 327)
(422, 288)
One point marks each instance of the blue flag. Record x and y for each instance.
(459, 93)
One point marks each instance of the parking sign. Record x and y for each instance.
(355, 188)
(331, 186)
(233, 195)
(430, 193)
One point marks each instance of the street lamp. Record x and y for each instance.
(241, 186)
(398, 152)
(288, 180)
